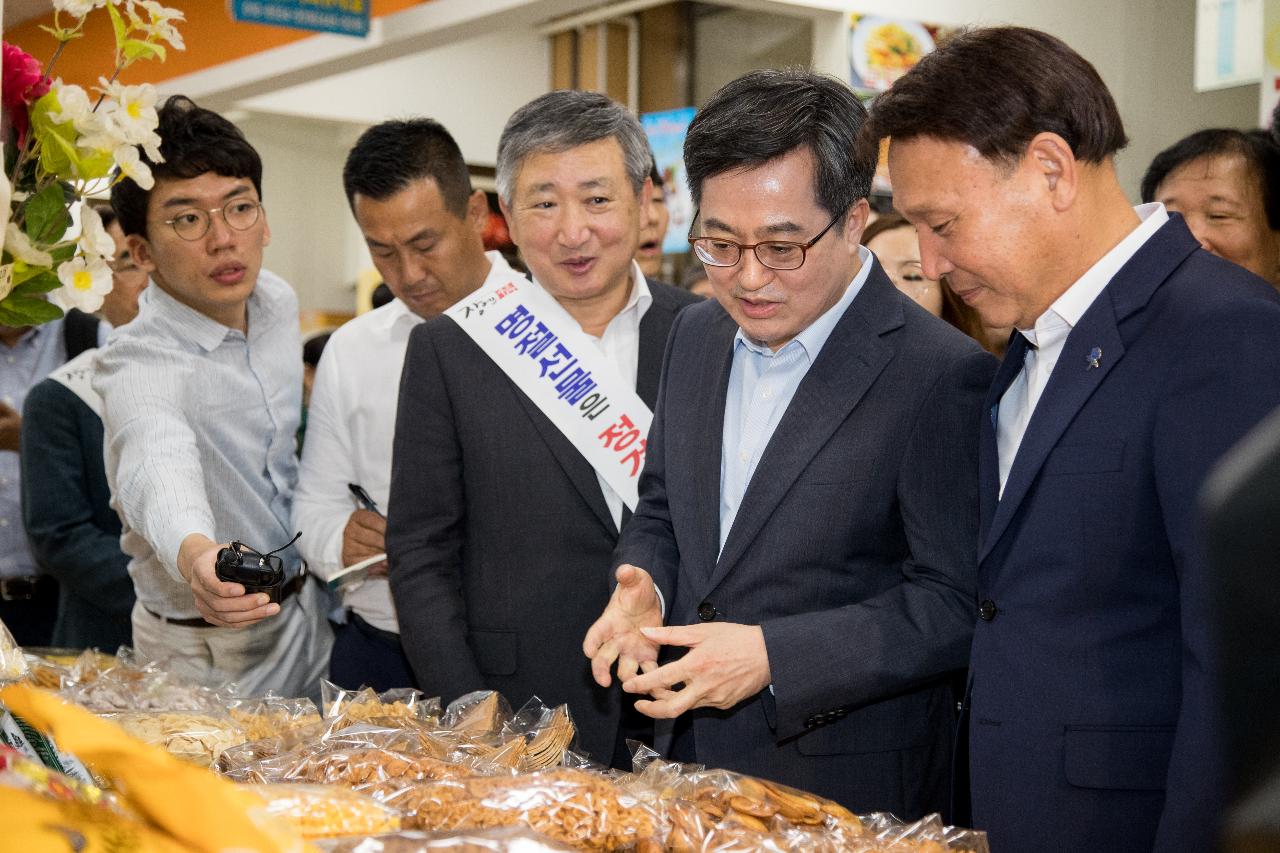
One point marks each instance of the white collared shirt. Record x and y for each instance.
(1049, 335)
(620, 343)
(351, 424)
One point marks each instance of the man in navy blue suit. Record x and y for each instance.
(1138, 359)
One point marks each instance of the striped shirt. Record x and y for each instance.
(200, 424)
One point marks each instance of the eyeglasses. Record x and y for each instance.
(193, 224)
(774, 254)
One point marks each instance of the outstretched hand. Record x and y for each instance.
(616, 635)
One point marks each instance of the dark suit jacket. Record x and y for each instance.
(499, 537)
(852, 548)
(74, 533)
(1092, 721)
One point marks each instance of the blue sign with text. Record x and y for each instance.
(345, 17)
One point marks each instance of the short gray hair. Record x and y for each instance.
(564, 119)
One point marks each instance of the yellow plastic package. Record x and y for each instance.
(177, 806)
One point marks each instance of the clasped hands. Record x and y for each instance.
(725, 664)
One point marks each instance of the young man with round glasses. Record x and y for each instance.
(809, 501)
(201, 397)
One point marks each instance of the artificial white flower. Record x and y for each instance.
(160, 26)
(73, 104)
(130, 163)
(85, 281)
(6, 280)
(94, 239)
(19, 245)
(130, 111)
(78, 8)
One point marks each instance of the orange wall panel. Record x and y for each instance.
(211, 36)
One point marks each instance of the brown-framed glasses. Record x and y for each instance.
(193, 223)
(774, 254)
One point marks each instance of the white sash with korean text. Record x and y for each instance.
(558, 367)
(77, 375)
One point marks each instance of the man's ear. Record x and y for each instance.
(513, 229)
(855, 222)
(478, 211)
(646, 192)
(1051, 160)
(140, 251)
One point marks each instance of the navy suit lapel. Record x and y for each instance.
(988, 458)
(1070, 385)
(1073, 379)
(846, 367)
(717, 364)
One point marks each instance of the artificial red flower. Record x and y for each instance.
(24, 83)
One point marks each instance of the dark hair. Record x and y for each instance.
(105, 213)
(656, 176)
(389, 156)
(381, 295)
(313, 347)
(564, 119)
(954, 309)
(1260, 154)
(995, 89)
(767, 114)
(194, 141)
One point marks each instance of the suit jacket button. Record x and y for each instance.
(811, 723)
(987, 610)
(707, 611)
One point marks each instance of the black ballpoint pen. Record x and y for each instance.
(363, 497)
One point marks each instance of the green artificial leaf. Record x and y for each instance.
(27, 311)
(22, 271)
(62, 252)
(45, 282)
(46, 215)
(117, 24)
(135, 49)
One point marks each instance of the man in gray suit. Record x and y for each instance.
(500, 531)
(808, 510)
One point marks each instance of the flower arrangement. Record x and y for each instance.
(61, 144)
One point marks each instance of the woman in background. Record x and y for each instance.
(894, 243)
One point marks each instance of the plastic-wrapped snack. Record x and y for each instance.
(927, 835)
(573, 806)
(127, 687)
(478, 713)
(198, 738)
(272, 716)
(326, 811)
(371, 765)
(547, 732)
(389, 708)
(13, 664)
(501, 840)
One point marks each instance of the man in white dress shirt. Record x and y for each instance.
(201, 399)
(1138, 360)
(409, 190)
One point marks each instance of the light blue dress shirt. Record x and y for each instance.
(761, 385)
(200, 422)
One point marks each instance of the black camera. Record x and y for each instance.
(255, 571)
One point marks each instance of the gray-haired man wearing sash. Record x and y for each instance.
(501, 530)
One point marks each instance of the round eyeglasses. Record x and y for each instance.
(774, 254)
(240, 214)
